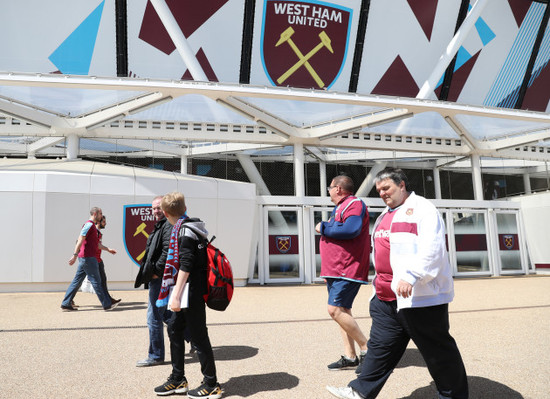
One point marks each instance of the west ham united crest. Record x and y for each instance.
(508, 240)
(304, 43)
(138, 224)
(284, 243)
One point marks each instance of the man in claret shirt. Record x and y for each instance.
(413, 288)
(345, 249)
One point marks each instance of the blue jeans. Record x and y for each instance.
(155, 318)
(87, 267)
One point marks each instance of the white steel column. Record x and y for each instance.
(476, 177)
(73, 145)
(429, 86)
(299, 179)
(526, 183)
(323, 178)
(173, 29)
(437, 183)
(368, 183)
(183, 164)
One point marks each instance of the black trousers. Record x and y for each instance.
(194, 318)
(390, 334)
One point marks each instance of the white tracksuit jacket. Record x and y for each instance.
(418, 254)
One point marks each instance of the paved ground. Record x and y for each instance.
(272, 342)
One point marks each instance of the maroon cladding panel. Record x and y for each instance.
(189, 14)
(304, 44)
(424, 11)
(206, 67)
(460, 77)
(538, 94)
(397, 81)
(519, 9)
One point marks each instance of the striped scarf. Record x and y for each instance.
(172, 266)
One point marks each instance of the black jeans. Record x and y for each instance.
(391, 331)
(194, 318)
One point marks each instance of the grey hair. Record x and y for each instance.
(396, 174)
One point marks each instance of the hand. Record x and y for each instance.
(111, 250)
(173, 308)
(318, 227)
(72, 260)
(404, 289)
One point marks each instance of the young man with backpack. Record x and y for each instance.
(186, 263)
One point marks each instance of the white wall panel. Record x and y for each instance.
(16, 181)
(45, 224)
(16, 235)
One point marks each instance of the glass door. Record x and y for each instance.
(469, 242)
(283, 245)
(318, 215)
(323, 214)
(509, 243)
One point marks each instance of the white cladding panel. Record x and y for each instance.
(45, 224)
(535, 210)
(16, 235)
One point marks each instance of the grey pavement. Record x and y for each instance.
(272, 342)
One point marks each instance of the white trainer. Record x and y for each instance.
(344, 392)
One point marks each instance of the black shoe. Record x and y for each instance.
(113, 300)
(206, 391)
(69, 308)
(344, 364)
(172, 386)
(360, 366)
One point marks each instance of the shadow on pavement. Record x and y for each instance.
(248, 385)
(480, 388)
(227, 353)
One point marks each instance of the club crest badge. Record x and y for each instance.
(137, 225)
(409, 211)
(508, 241)
(284, 243)
(304, 43)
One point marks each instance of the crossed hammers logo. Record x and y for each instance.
(141, 229)
(286, 36)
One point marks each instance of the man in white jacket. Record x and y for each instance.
(413, 288)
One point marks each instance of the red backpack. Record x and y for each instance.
(219, 278)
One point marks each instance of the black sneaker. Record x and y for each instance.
(69, 308)
(360, 365)
(344, 364)
(206, 391)
(172, 386)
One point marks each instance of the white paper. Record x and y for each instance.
(184, 297)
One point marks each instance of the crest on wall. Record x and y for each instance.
(284, 243)
(304, 43)
(138, 223)
(508, 241)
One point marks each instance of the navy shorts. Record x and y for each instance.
(341, 292)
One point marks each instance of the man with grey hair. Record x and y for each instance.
(85, 251)
(150, 274)
(413, 289)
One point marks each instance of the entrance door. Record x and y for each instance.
(510, 245)
(283, 243)
(469, 244)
